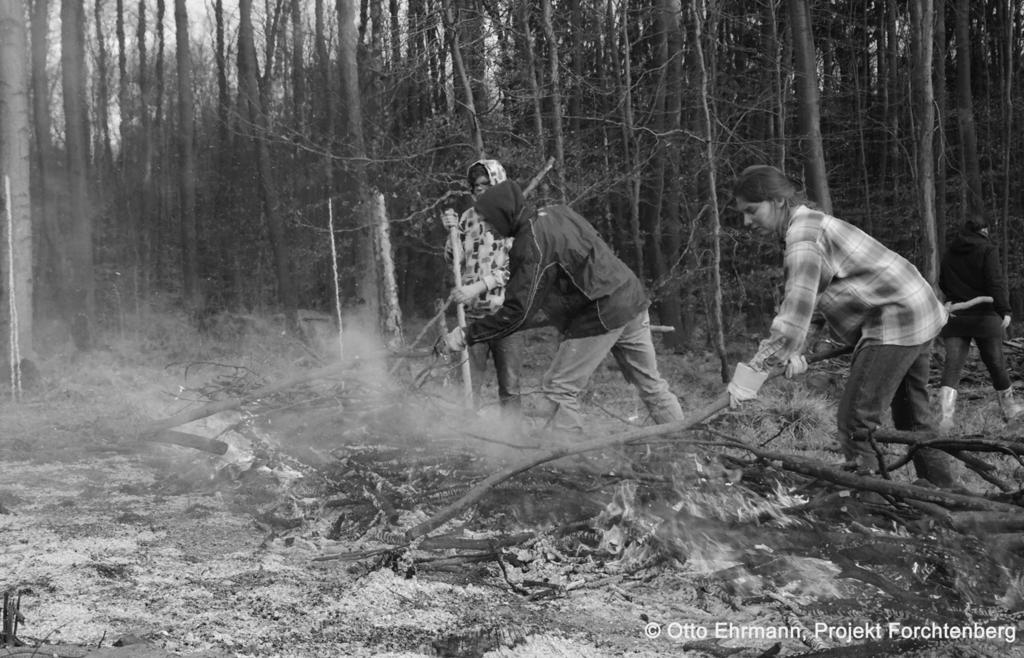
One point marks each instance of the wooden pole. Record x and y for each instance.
(460, 313)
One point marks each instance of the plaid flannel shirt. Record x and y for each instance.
(865, 292)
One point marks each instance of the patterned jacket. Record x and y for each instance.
(484, 255)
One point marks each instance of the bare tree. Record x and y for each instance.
(187, 154)
(556, 94)
(255, 115)
(972, 199)
(368, 288)
(718, 335)
(462, 75)
(49, 239)
(922, 15)
(808, 109)
(15, 163)
(78, 280)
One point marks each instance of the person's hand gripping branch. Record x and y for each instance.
(796, 366)
(466, 294)
(450, 218)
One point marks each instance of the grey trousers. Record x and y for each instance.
(578, 358)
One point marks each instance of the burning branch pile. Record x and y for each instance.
(740, 531)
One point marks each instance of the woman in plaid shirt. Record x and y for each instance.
(870, 297)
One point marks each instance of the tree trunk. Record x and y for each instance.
(973, 200)
(256, 114)
(531, 74)
(556, 98)
(623, 72)
(78, 280)
(808, 104)
(779, 86)
(462, 76)
(15, 163)
(391, 312)
(147, 194)
(187, 174)
(367, 283)
(50, 243)
(298, 68)
(671, 304)
(922, 16)
(718, 335)
(941, 112)
(1009, 66)
(106, 154)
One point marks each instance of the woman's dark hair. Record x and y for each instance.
(759, 183)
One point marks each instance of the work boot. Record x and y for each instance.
(947, 408)
(1007, 405)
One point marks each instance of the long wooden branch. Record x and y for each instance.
(817, 469)
(1008, 445)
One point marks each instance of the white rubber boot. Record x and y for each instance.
(1010, 407)
(947, 408)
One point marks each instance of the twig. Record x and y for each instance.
(538, 177)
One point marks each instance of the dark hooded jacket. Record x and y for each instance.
(971, 268)
(560, 272)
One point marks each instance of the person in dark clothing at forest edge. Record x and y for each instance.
(869, 296)
(561, 271)
(970, 268)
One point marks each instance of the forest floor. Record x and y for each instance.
(289, 543)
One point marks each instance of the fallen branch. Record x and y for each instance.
(187, 440)
(190, 415)
(816, 469)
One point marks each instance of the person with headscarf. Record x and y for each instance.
(484, 269)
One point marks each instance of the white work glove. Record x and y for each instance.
(746, 382)
(797, 365)
(455, 340)
(450, 218)
(466, 294)
(1006, 321)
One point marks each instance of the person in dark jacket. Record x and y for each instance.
(562, 273)
(971, 268)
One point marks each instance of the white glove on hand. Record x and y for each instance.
(455, 340)
(450, 218)
(746, 382)
(1006, 321)
(797, 365)
(466, 294)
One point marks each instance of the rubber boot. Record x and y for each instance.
(1010, 407)
(947, 408)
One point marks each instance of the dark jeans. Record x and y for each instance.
(896, 377)
(991, 348)
(507, 353)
